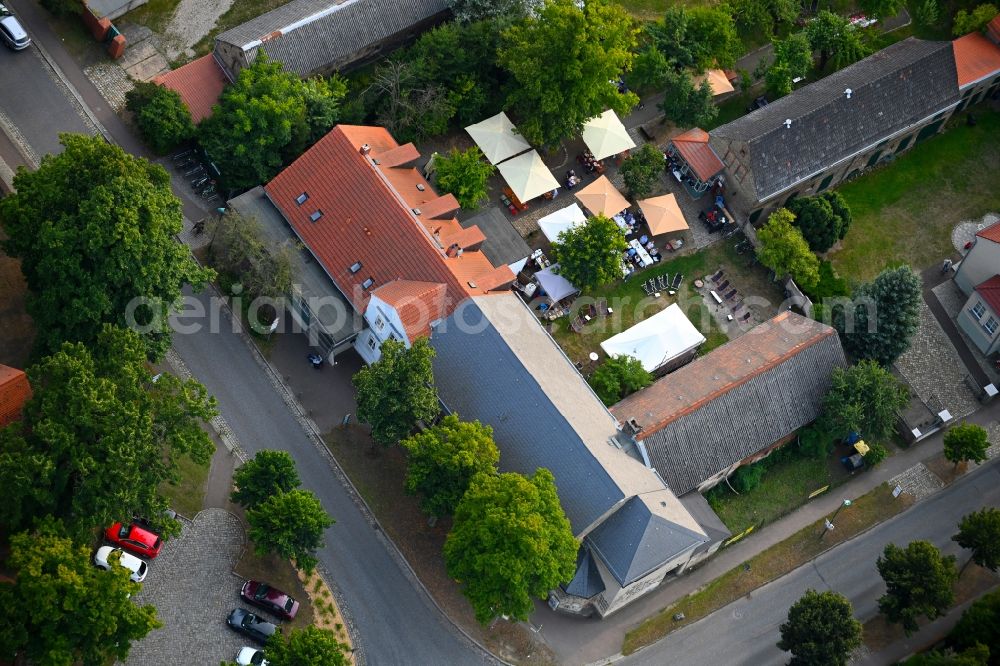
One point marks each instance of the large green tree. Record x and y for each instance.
(443, 459)
(407, 104)
(979, 532)
(979, 624)
(268, 473)
(162, 117)
(642, 170)
(397, 390)
(61, 610)
(823, 219)
(650, 70)
(863, 398)
(510, 542)
(99, 436)
(836, 40)
(761, 17)
(919, 582)
(886, 315)
(964, 442)
(309, 646)
(94, 228)
(291, 525)
(821, 630)
(971, 21)
(265, 118)
(698, 38)
(468, 11)
(784, 250)
(465, 174)
(881, 9)
(684, 103)
(561, 60)
(242, 251)
(792, 59)
(590, 255)
(617, 377)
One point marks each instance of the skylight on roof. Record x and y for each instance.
(302, 198)
(315, 215)
(367, 283)
(355, 267)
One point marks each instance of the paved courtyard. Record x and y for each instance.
(193, 588)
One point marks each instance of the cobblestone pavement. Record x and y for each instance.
(111, 81)
(193, 588)
(934, 371)
(993, 433)
(965, 231)
(918, 481)
(952, 299)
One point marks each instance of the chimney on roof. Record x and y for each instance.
(365, 149)
(452, 250)
(788, 123)
(416, 211)
(634, 426)
(848, 93)
(420, 187)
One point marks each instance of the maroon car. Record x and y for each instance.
(270, 599)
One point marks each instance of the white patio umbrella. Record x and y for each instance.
(527, 176)
(606, 136)
(497, 139)
(562, 220)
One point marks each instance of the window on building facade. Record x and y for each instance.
(978, 310)
(991, 325)
(379, 323)
(372, 342)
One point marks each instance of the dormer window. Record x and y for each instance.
(355, 267)
(379, 323)
(302, 198)
(367, 284)
(315, 215)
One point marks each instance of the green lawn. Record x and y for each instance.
(188, 494)
(784, 488)
(905, 211)
(630, 303)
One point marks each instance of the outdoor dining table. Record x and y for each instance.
(716, 297)
(644, 257)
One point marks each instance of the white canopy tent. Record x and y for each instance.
(562, 220)
(497, 139)
(555, 286)
(606, 136)
(528, 176)
(658, 340)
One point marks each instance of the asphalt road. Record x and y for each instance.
(745, 632)
(35, 102)
(397, 623)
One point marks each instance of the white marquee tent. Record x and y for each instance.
(562, 220)
(528, 176)
(658, 340)
(606, 136)
(496, 138)
(556, 287)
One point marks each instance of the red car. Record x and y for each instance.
(134, 539)
(270, 599)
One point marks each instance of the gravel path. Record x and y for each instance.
(192, 20)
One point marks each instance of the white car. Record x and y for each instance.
(138, 568)
(11, 32)
(250, 656)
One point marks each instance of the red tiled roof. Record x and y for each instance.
(989, 291)
(993, 29)
(14, 392)
(199, 83)
(367, 217)
(693, 147)
(417, 304)
(733, 364)
(991, 233)
(976, 58)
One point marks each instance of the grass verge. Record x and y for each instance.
(187, 496)
(905, 212)
(868, 510)
(281, 574)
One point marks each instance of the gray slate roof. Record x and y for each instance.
(745, 419)
(479, 377)
(892, 89)
(633, 541)
(587, 581)
(319, 32)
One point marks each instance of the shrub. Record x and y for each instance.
(814, 442)
(163, 119)
(876, 454)
(747, 477)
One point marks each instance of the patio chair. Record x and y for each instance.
(577, 325)
(648, 289)
(745, 317)
(718, 276)
(677, 281)
(723, 286)
(602, 308)
(662, 281)
(731, 294)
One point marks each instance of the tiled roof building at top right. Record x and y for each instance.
(830, 131)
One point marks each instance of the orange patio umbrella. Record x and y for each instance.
(663, 215)
(601, 198)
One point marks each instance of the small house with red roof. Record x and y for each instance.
(697, 157)
(977, 60)
(14, 393)
(385, 257)
(981, 261)
(980, 316)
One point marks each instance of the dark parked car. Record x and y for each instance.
(250, 625)
(270, 599)
(11, 32)
(758, 103)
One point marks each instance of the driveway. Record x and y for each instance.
(193, 588)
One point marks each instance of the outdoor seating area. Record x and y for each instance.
(725, 299)
(693, 163)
